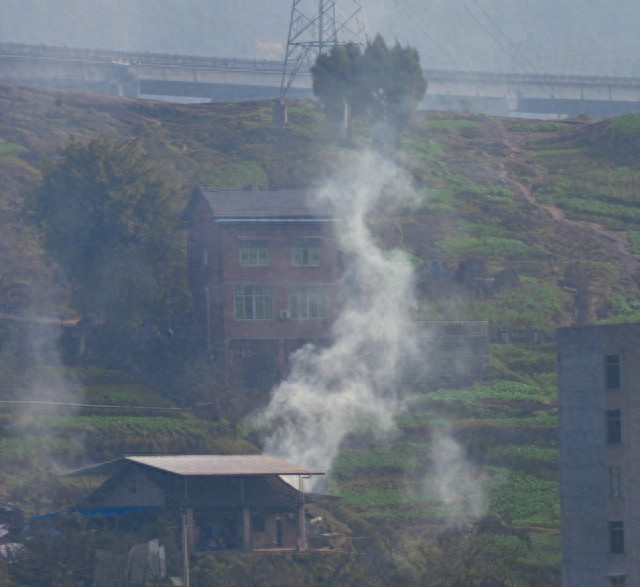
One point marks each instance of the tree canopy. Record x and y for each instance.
(384, 83)
(109, 222)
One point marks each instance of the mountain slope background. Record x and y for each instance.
(532, 225)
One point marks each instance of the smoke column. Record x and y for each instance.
(331, 391)
(455, 480)
(355, 382)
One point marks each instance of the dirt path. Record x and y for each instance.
(614, 241)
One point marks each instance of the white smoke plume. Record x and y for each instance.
(332, 391)
(455, 480)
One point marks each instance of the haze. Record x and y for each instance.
(580, 37)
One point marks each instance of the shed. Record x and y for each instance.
(228, 501)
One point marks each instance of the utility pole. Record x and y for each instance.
(315, 27)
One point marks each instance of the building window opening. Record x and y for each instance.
(253, 302)
(619, 581)
(253, 253)
(308, 301)
(615, 482)
(306, 252)
(612, 371)
(614, 427)
(616, 537)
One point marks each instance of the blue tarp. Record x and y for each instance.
(97, 512)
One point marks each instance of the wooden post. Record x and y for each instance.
(185, 551)
(246, 528)
(302, 528)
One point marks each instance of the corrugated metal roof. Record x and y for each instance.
(221, 465)
(262, 204)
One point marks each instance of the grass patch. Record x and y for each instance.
(536, 306)
(124, 395)
(490, 247)
(451, 125)
(628, 124)
(522, 499)
(503, 391)
(396, 458)
(236, 175)
(533, 126)
(10, 150)
(525, 456)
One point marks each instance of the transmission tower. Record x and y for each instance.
(315, 27)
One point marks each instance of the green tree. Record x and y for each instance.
(109, 221)
(385, 84)
(335, 80)
(465, 556)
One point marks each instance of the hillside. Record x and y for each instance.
(532, 225)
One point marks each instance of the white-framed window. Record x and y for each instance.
(308, 300)
(254, 252)
(253, 301)
(305, 252)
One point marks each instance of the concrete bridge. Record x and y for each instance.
(151, 75)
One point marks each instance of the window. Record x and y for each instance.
(612, 371)
(253, 253)
(614, 427)
(308, 300)
(619, 581)
(616, 537)
(253, 302)
(615, 481)
(306, 252)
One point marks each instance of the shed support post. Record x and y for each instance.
(302, 530)
(246, 525)
(191, 528)
(185, 550)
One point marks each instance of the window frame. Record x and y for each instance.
(612, 371)
(253, 252)
(253, 301)
(305, 252)
(614, 426)
(616, 537)
(308, 301)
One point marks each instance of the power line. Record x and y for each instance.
(426, 34)
(98, 406)
(514, 47)
(486, 30)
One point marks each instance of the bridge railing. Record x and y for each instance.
(138, 58)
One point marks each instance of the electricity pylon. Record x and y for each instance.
(315, 27)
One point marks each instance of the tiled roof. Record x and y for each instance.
(265, 204)
(221, 465)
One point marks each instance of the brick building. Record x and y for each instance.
(263, 268)
(598, 374)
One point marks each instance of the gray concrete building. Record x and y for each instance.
(599, 385)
